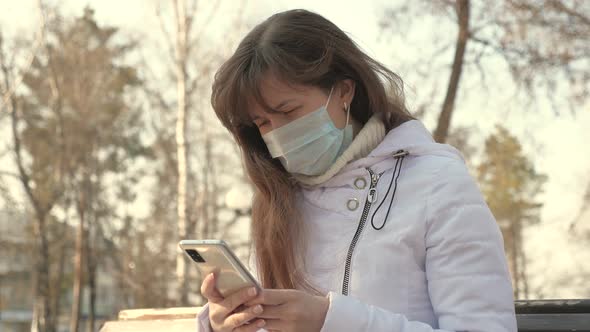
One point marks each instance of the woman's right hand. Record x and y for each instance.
(223, 315)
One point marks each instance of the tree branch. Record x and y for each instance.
(560, 6)
(28, 62)
(166, 33)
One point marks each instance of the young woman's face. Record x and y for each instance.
(291, 102)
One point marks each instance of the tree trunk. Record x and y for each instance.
(59, 278)
(181, 145)
(444, 120)
(524, 291)
(91, 272)
(42, 314)
(78, 258)
(514, 259)
(523, 277)
(208, 197)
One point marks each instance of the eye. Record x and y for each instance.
(292, 110)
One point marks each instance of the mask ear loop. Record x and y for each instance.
(347, 108)
(329, 96)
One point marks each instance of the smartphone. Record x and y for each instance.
(216, 256)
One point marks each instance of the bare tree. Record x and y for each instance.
(42, 315)
(543, 44)
(77, 103)
(183, 22)
(41, 193)
(183, 45)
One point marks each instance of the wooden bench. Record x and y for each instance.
(553, 315)
(147, 320)
(532, 316)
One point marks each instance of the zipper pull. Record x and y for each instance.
(372, 196)
(374, 179)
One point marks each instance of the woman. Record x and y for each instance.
(360, 221)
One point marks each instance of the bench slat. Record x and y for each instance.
(552, 306)
(177, 325)
(532, 316)
(553, 322)
(167, 313)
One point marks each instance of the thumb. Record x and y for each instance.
(209, 290)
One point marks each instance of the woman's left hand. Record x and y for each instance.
(289, 310)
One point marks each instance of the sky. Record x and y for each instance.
(558, 145)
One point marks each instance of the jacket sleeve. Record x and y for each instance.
(468, 280)
(203, 324)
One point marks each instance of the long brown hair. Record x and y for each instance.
(304, 48)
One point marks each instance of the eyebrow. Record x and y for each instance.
(274, 109)
(283, 103)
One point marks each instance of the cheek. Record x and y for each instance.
(271, 124)
(265, 130)
(276, 121)
(338, 115)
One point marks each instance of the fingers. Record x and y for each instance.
(238, 298)
(275, 325)
(222, 312)
(244, 316)
(255, 326)
(272, 297)
(272, 312)
(238, 320)
(209, 291)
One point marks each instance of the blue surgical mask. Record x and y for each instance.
(310, 144)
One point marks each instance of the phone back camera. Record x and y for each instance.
(195, 255)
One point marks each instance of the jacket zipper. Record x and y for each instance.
(371, 198)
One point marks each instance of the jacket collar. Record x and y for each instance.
(411, 136)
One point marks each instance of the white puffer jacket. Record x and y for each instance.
(433, 262)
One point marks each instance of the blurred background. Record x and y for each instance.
(110, 152)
